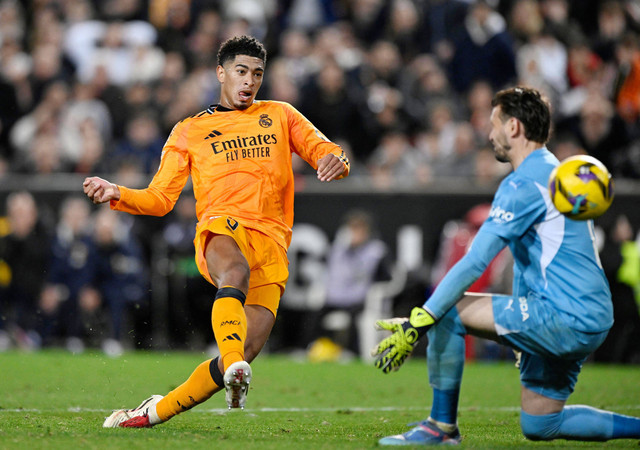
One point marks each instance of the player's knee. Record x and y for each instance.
(540, 427)
(236, 274)
(239, 270)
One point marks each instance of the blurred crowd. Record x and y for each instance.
(81, 281)
(403, 85)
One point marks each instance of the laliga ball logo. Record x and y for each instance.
(581, 187)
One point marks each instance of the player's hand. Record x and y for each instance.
(330, 167)
(99, 190)
(393, 351)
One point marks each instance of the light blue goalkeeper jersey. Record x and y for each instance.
(555, 258)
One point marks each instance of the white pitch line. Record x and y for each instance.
(78, 409)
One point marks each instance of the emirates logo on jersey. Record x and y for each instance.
(265, 121)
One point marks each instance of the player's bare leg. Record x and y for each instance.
(476, 313)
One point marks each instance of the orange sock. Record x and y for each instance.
(198, 388)
(229, 323)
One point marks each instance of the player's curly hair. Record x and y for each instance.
(241, 45)
(529, 107)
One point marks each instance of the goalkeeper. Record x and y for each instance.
(559, 313)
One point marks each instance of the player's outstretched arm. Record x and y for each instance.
(330, 167)
(100, 190)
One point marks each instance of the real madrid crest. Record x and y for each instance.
(265, 121)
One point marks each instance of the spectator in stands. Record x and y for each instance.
(559, 22)
(140, 97)
(114, 10)
(478, 108)
(204, 41)
(627, 86)
(173, 20)
(192, 94)
(461, 161)
(122, 283)
(337, 41)
(525, 20)
(295, 48)
(70, 276)
(328, 102)
(423, 85)
(584, 65)
(357, 259)
(141, 146)
(426, 145)
(85, 130)
(165, 89)
(46, 68)
(403, 28)
(189, 294)
(368, 18)
(41, 125)
(620, 258)
(442, 20)
(612, 24)
(257, 14)
(23, 260)
(599, 130)
(369, 40)
(281, 85)
(9, 113)
(565, 145)
(441, 122)
(393, 162)
(542, 63)
(484, 50)
(12, 21)
(487, 170)
(383, 65)
(125, 50)
(306, 15)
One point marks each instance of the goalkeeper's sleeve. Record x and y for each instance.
(464, 273)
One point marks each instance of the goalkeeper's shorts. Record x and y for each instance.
(552, 352)
(267, 260)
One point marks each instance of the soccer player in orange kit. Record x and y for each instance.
(238, 154)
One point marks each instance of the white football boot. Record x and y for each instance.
(144, 416)
(236, 382)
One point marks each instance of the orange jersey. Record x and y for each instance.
(240, 165)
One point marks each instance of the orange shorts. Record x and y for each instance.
(267, 260)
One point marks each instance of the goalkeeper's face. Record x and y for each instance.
(240, 81)
(498, 136)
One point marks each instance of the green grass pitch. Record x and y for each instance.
(53, 399)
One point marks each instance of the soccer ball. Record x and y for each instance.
(581, 187)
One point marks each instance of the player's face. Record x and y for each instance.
(240, 81)
(498, 137)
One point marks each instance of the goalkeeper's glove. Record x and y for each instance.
(392, 351)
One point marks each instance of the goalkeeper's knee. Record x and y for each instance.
(540, 428)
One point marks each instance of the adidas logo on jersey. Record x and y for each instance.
(232, 337)
(214, 133)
